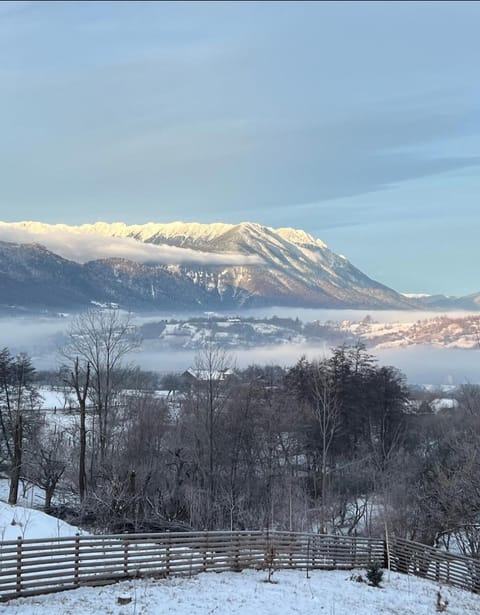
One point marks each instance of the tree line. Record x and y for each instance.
(329, 445)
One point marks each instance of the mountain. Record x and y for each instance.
(442, 302)
(32, 277)
(261, 266)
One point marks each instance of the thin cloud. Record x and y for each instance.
(83, 247)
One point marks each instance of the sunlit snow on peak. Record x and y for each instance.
(101, 240)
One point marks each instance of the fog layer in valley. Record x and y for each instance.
(420, 364)
(41, 337)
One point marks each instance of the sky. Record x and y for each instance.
(357, 122)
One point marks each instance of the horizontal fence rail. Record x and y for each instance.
(30, 567)
(36, 566)
(421, 560)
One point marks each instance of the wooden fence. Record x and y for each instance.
(30, 567)
(414, 558)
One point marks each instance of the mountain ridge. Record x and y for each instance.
(287, 266)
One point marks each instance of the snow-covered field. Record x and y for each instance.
(246, 593)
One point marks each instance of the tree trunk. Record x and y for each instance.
(16, 462)
(49, 491)
(82, 477)
(81, 393)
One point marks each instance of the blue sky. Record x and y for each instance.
(358, 122)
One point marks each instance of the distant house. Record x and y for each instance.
(204, 375)
(444, 403)
(439, 404)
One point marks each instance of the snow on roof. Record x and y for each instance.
(205, 374)
(444, 403)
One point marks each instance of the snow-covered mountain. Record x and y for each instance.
(183, 264)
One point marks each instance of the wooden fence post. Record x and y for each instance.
(266, 538)
(386, 552)
(125, 557)
(76, 561)
(167, 556)
(205, 551)
(290, 553)
(237, 553)
(18, 583)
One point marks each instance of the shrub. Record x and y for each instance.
(374, 574)
(269, 562)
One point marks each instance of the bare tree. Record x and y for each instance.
(80, 383)
(101, 339)
(209, 394)
(325, 408)
(316, 386)
(46, 463)
(18, 402)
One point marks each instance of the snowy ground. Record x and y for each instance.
(246, 593)
(18, 521)
(24, 521)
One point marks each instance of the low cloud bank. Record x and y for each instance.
(83, 247)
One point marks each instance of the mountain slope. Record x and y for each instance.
(279, 267)
(298, 269)
(31, 276)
